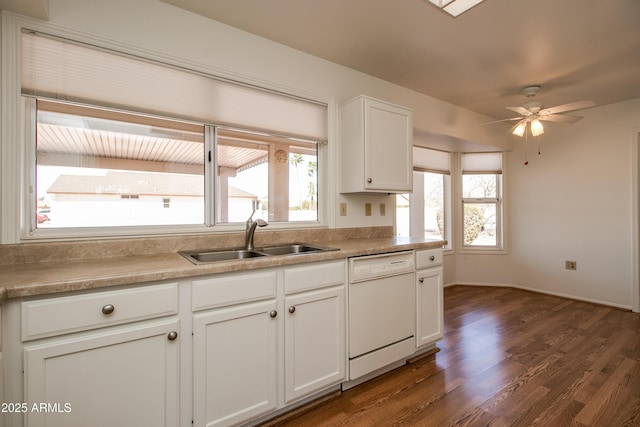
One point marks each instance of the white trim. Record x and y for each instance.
(635, 219)
(541, 291)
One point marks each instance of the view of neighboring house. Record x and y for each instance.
(130, 198)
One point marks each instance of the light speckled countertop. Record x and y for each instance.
(53, 276)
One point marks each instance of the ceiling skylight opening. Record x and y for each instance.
(455, 7)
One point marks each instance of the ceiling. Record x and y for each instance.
(481, 60)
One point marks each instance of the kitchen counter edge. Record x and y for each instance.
(34, 279)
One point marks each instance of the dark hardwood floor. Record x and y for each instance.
(508, 358)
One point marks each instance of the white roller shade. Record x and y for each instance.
(480, 163)
(63, 70)
(428, 160)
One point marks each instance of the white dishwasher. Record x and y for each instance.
(381, 311)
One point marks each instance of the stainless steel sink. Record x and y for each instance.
(294, 248)
(205, 257)
(232, 254)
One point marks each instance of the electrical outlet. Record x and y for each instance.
(343, 209)
(383, 209)
(367, 209)
(570, 265)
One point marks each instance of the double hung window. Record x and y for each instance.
(482, 200)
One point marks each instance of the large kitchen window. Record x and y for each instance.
(125, 142)
(426, 212)
(482, 200)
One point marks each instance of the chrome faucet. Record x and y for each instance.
(251, 229)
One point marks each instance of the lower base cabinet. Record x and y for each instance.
(314, 341)
(235, 363)
(429, 310)
(127, 376)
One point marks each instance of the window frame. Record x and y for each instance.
(30, 231)
(416, 198)
(499, 201)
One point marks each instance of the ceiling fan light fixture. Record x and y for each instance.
(519, 130)
(455, 7)
(536, 128)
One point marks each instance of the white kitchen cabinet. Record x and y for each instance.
(98, 358)
(429, 297)
(235, 363)
(126, 375)
(314, 341)
(376, 147)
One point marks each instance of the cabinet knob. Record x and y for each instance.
(292, 309)
(273, 313)
(369, 180)
(171, 336)
(108, 309)
(421, 280)
(432, 258)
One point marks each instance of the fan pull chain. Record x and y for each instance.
(526, 146)
(539, 145)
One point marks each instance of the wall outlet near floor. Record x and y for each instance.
(570, 265)
(383, 209)
(367, 209)
(343, 209)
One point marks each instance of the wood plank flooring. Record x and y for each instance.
(508, 358)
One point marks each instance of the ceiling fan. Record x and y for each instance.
(532, 113)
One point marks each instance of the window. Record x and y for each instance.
(102, 168)
(126, 142)
(482, 200)
(277, 177)
(426, 212)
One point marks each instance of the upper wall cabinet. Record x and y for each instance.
(376, 141)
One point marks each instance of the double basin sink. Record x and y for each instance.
(209, 256)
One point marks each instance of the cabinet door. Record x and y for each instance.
(388, 147)
(235, 363)
(314, 341)
(429, 296)
(124, 377)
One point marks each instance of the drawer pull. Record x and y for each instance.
(273, 313)
(432, 258)
(292, 309)
(369, 180)
(172, 335)
(108, 309)
(421, 280)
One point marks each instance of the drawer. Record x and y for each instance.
(233, 289)
(428, 258)
(314, 276)
(62, 315)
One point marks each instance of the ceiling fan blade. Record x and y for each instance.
(520, 110)
(572, 106)
(503, 120)
(562, 118)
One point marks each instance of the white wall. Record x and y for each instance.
(573, 202)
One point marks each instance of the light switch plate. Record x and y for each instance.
(367, 209)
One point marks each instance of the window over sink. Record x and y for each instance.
(124, 145)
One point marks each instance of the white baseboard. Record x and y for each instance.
(541, 291)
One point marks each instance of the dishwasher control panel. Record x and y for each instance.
(373, 266)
